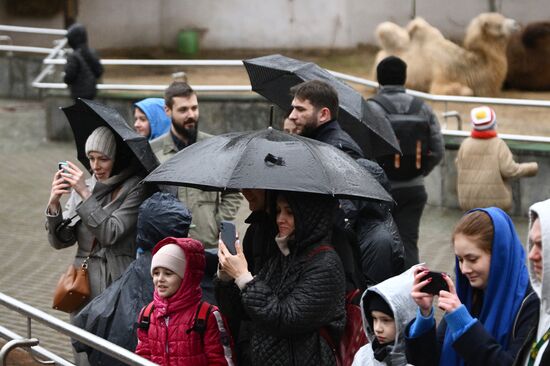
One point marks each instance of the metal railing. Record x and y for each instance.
(70, 330)
(56, 57)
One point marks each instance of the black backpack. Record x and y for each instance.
(413, 133)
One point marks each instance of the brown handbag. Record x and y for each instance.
(73, 287)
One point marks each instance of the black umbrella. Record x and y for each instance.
(272, 76)
(85, 116)
(268, 159)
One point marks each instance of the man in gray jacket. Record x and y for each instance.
(422, 132)
(208, 208)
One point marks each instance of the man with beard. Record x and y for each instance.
(315, 114)
(208, 208)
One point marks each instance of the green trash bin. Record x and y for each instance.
(188, 42)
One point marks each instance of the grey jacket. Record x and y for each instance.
(402, 101)
(397, 293)
(207, 208)
(112, 223)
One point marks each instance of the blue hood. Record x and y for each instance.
(158, 120)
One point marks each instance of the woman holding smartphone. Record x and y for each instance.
(101, 213)
(298, 291)
(488, 311)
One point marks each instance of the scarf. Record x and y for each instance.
(488, 134)
(500, 303)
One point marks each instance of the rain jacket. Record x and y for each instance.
(542, 288)
(484, 169)
(396, 291)
(112, 223)
(83, 67)
(153, 108)
(506, 315)
(380, 246)
(170, 339)
(292, 297)
(208, 208)
(402, 101)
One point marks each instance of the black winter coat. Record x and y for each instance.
(332, 134)
(380, 246)
(526, 347)
(292, 297)
(83, 67)
(475, 346)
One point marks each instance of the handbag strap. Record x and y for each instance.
(85, 262)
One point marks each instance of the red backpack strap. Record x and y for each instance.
(201, 316)
(144, 319)
(319, 249)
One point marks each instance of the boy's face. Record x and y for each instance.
(166, 282)
(384, 327)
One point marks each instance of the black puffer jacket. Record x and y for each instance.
(293, 296)
(83, 67)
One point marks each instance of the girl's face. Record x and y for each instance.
(101, 165)
(383, 326)
(474, 262)
(141, 123)
(166, 282)
(285, 217)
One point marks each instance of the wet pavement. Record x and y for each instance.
(29, 267)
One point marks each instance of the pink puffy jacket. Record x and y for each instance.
(170, 339)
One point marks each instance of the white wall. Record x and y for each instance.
(271, 23)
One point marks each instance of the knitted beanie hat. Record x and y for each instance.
(170, 256)
(375, 302)
(102, 140)
(391, 71)
(483, 118)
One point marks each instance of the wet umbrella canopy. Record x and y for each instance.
(85, 116)
(268, 159)
(272, 76)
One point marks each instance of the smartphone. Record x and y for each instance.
(228, 233)
(438, 283)
(62, 165)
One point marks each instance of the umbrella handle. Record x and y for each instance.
(271, 111)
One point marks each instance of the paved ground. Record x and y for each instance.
(30, 267)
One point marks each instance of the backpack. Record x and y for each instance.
(199, 324)
(353, 337)
(412, 130)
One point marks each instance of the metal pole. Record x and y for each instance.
(13, 344)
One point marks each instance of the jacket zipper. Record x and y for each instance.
(166, 338)
(291, 347)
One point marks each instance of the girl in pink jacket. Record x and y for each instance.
(177, 328)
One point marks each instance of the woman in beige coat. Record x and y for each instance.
(103, 210)
(485, 165)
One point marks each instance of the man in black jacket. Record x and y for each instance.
(409, 193)
(315, 114)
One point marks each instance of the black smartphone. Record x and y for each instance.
(229, 235)
(438, 283)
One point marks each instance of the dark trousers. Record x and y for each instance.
(407, 213)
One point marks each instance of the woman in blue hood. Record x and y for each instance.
(488, 313)
(150, 119)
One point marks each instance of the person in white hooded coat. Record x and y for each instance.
(396, 292)
(536, 350)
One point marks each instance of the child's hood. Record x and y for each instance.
(396, 291)
(190, 291)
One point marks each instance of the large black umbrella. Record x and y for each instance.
(85, 116)
(268, 159)
(272, 76)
